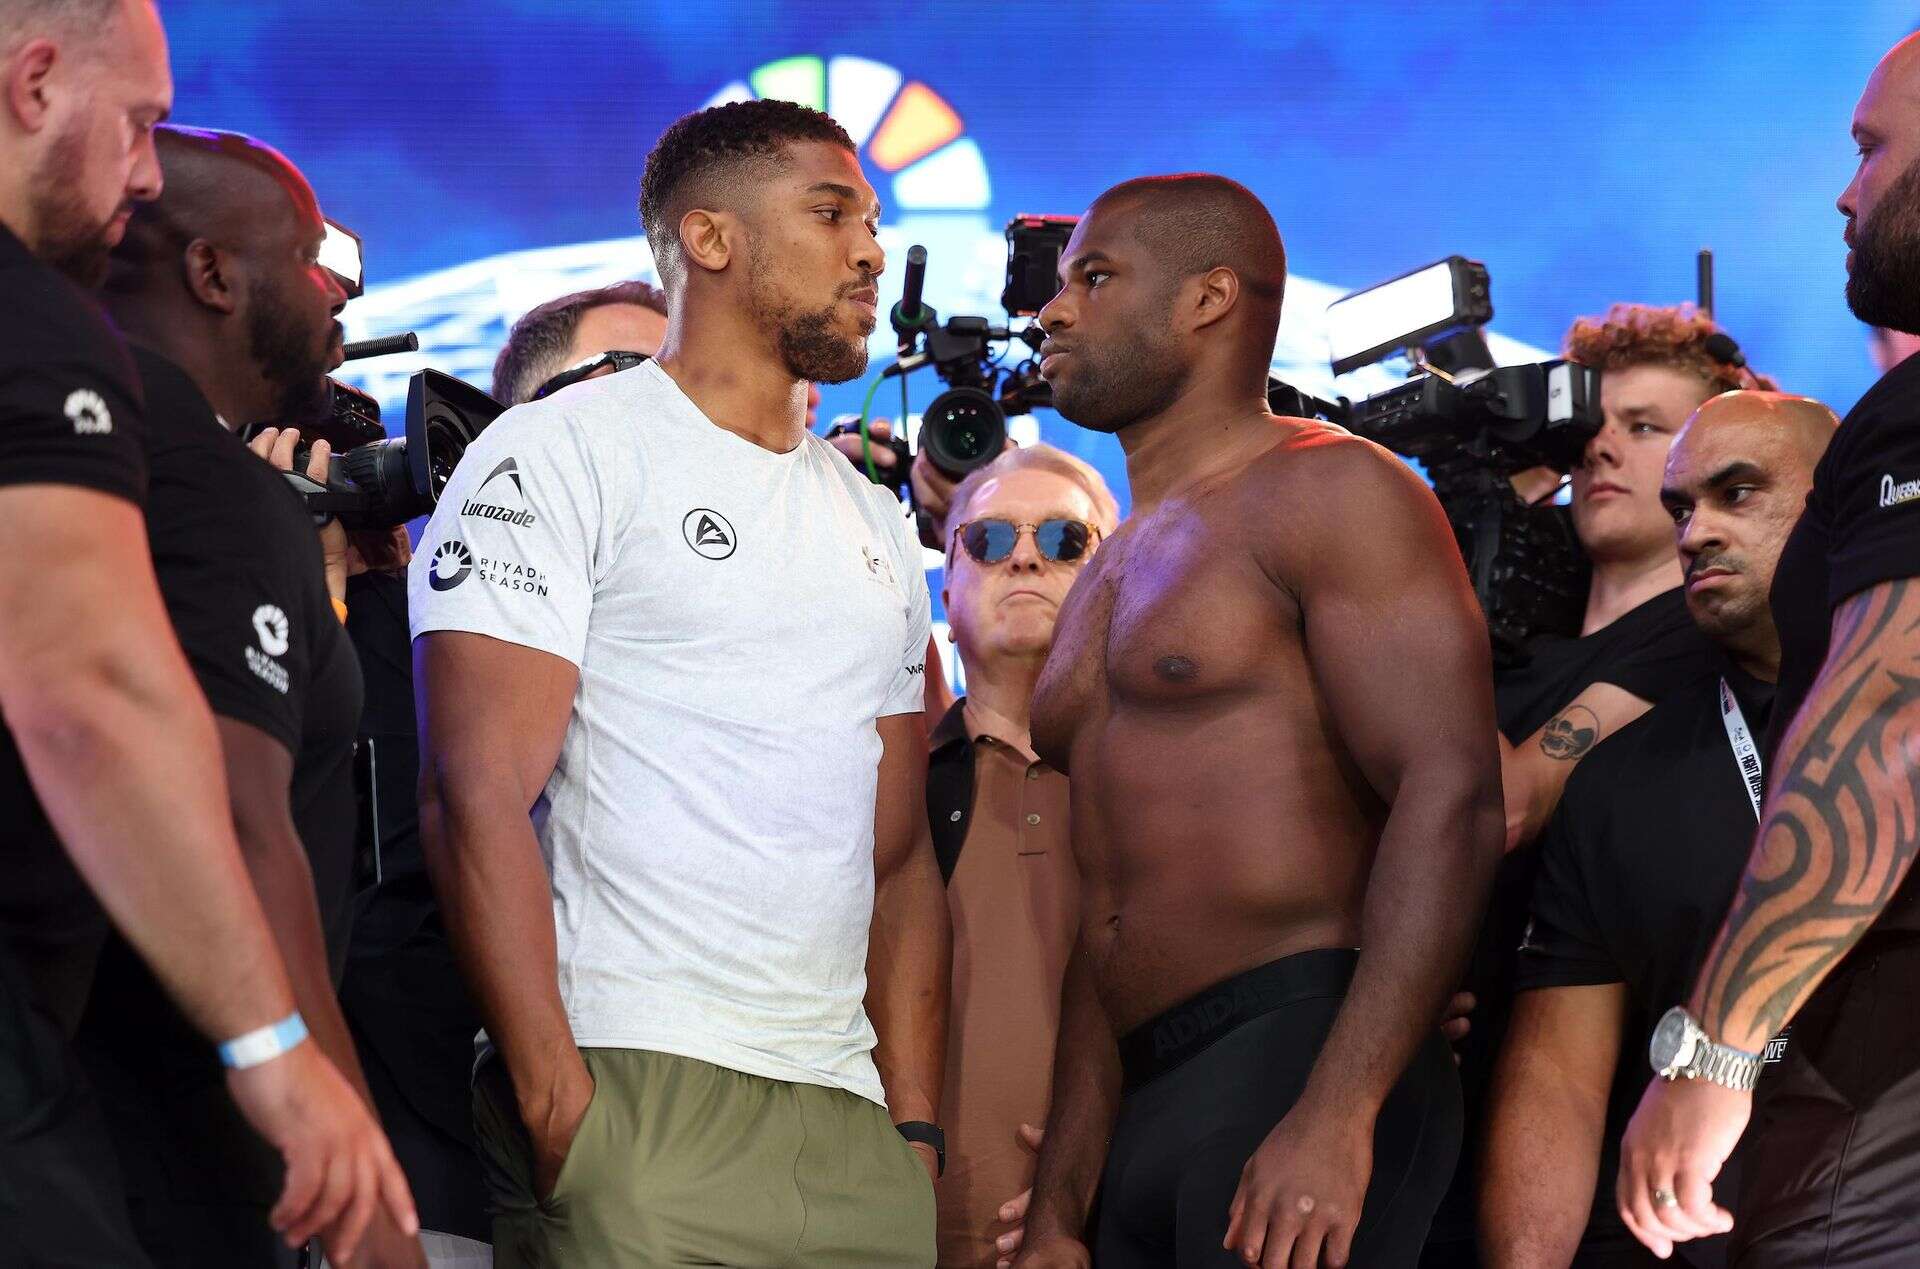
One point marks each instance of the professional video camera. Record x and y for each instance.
(1473, 426)
(966, 426)
(375, 481)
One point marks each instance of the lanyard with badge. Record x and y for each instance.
(1747, 754)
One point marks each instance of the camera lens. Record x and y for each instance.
(962, 429)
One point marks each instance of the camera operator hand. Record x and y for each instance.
(277, 446)
(932, 488)
(933, 498)
(1536, 484)
(340, 1170)
(848, 443)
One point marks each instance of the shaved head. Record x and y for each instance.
(1801, 424)
(224, 187)
(226, 262)
(1194, 222)
(1165, 278)
(1737, 480)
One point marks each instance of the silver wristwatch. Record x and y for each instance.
(1681, 1050)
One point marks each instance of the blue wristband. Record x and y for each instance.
(266, 1044)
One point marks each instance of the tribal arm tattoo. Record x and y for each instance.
(1839, 828)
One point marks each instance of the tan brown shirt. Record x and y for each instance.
(1014, 901)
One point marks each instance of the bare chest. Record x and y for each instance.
(1174, 611)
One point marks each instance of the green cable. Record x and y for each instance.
(866, 441)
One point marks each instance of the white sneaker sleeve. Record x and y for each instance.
(517, 541)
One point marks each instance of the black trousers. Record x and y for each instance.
(61, 1202)
(1209, 1079)
(1833, 1150)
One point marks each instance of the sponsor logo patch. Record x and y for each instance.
(878, 566)
(510, 575)
(87, 410)
(1892, 495)
(1776, 1048)
(518, 516)
(709, 534)
(271, 633)
(451, 565)
(270, 627)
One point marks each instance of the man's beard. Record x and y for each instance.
(71, 240)
(286, 356)
(1883, 288)
(1119, 384)
(811, 348)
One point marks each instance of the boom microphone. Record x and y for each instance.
(910, 315)
(1721, 348)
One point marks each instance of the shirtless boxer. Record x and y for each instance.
(1271, 692)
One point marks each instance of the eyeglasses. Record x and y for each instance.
(619, 359)
(989, 541)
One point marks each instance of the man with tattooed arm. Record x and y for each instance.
(1824, 933)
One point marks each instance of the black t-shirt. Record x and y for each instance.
(1861, 527)
(1637, 869)
(388, 850)
(412, 1018)
(70, 414)
(240, 569)
(1649, 651)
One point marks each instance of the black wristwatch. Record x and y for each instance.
(927, 1135)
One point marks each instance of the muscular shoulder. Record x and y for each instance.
(1323, 493)
(1332, 472)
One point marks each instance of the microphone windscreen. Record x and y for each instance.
(1721, 348)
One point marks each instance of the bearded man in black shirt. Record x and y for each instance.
(231, 320)
(1650, 837)
(111, 795)
(1825, 931)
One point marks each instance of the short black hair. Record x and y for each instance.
(536, 347)
(705, 143)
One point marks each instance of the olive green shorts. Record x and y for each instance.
(681, 1162)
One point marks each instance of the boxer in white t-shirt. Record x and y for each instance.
(669, 647)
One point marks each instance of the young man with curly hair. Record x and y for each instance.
(1635, 645)
(713, 962)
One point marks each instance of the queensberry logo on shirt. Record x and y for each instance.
(1892, 494)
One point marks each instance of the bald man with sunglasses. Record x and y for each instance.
(1021, 530)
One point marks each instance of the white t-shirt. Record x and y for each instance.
(740, 619)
